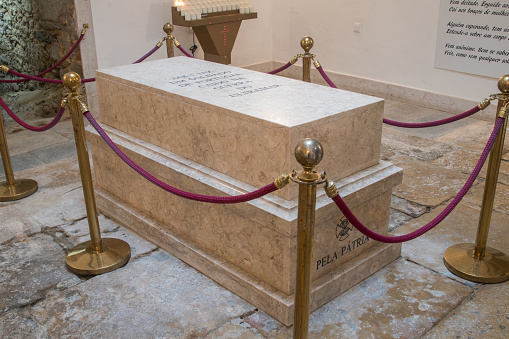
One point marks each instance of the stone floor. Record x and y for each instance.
(157, 296)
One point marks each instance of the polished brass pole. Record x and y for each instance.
(478, 262)
(490, 187)
(72, 81)
(309, 153)
(12, 189)
(98, 255)
(306, 43)
(6, 159)
(168, 29)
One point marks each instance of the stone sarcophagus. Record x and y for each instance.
(219, 130)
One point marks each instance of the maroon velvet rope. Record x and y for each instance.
(156, 47)
(52, 67)
(35, 78)
(30, 127)
(412, 125)
(401, 238)
(184, 51)
(280, 69)
(325, 77)
(83, 81)
(433, 123)
(197, 197)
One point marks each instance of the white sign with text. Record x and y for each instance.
(473, 37)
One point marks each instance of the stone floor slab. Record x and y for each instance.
(80, 229)
(29, 269)
(156, 296)
(235, 330)
(18, 324)
(459, 227)
(484, 315)
(64, 127)
(501, 202)
(268, 326)
(463, 160)
(54, 208)
(54, 175)
(408, 207)
(400, 111)
(26, 141)
(59, 198)
(139, 246)
(79, 232)
(403, 300)
(52, 153)
(427, 184)
(397, 219)
(396, 142)
(20, 162)
(15, 224)
(473, 136)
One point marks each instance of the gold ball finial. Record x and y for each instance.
(306, 43)
(503, 84)
(168, 28)
(71, 80)
(309, 153)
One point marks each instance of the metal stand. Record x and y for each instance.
(216, 32)
(306, 43)
(168, 29)
(98, 255)
(309, 153)
(477, 262)
(12, 189)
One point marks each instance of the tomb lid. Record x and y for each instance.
(276, 99)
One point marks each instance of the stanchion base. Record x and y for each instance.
(493, 268)
(22, 188)
(82, 260)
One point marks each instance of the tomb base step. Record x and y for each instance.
(263, 296)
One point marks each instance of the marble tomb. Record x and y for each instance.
(214, 129)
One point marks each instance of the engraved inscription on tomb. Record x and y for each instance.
(230, 83)
(342, 233)
(342, 229)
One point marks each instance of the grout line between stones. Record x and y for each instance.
(467, 298)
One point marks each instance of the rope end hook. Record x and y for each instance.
(160, 43)
(85, 26)
(330, 189)
(295, 59)
(282, 181)
(316, 63)
(483, 104)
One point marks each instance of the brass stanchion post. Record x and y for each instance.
(306, 43)
(12, 189)
(309, 153)
(168, 29)
(98, 255)
(478, 262)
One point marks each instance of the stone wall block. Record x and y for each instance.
(34, 35)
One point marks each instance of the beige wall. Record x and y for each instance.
(396, 44)
(395, 48)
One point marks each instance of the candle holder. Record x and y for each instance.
(216, 31)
